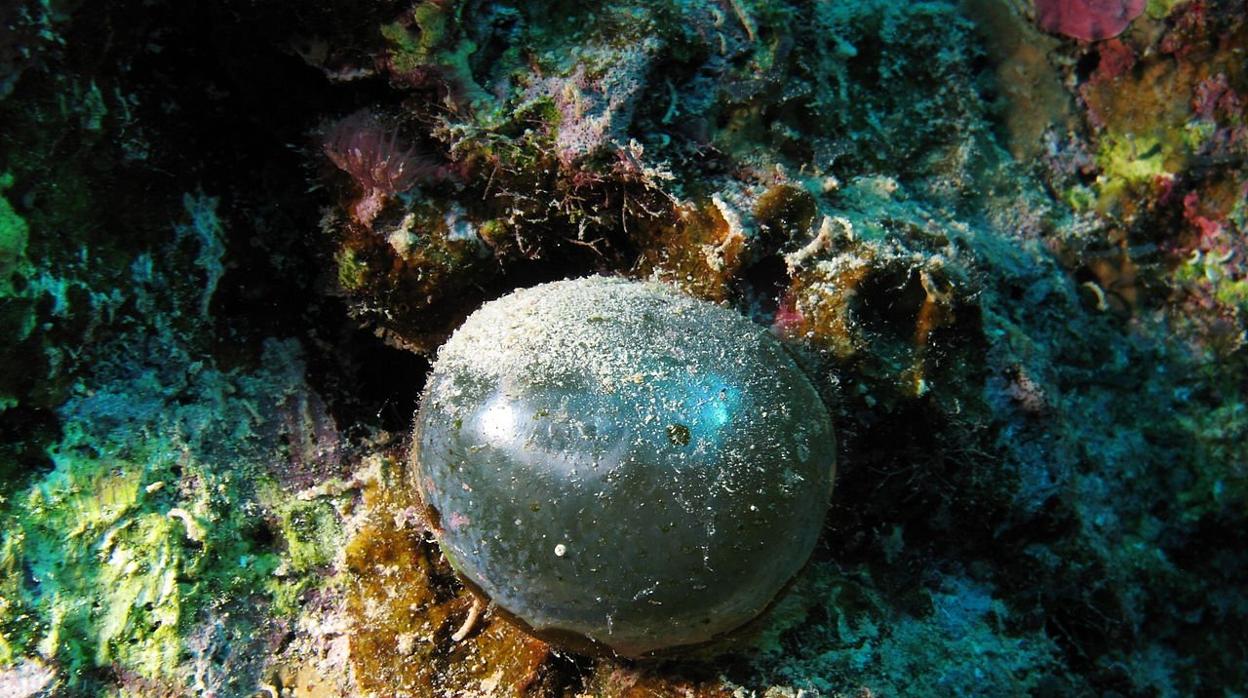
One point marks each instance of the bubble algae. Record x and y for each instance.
(614, 461)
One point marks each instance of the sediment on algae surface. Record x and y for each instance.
(1005, 240)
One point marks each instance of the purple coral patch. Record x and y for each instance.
(1089, 20)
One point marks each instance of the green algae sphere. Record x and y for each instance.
(616, 462)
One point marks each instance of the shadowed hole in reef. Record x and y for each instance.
(364, 380)
(1087, 65)
(249, 151)
(25, 433)
(762, 285)
(391, 382)
(261, 533)
(889, 303)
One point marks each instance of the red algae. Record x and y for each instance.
(372, 154)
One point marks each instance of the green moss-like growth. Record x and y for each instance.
(112, 561)
(117, 561)
(13, 235)
(433, 41)
(116, 555)
(1132, 160)
(352, 273)
(312, 533)
(107, 567)
(17, 318)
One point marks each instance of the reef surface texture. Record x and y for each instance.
(1005, 240)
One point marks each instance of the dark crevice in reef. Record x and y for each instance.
(24, 433)
(223, 82)
(368, 381)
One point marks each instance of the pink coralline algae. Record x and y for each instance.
(1088, 20)
(788, 319)
(372, 154)
(1215, 99)
(596, 111)
(1211, 232)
